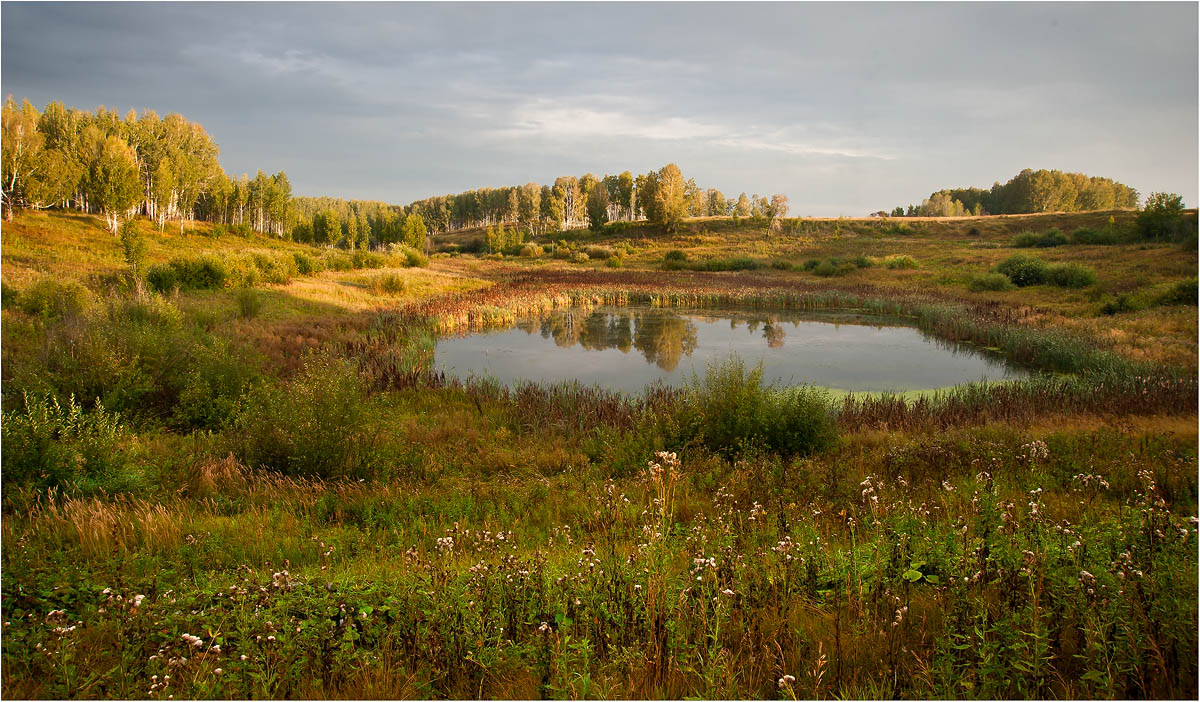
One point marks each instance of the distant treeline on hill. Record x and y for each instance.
(167, 169)
(1026, 193)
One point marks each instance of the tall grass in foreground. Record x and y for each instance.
(981, 563)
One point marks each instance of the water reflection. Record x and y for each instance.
(662, 336)
(844, 349)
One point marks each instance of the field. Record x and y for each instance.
(259, 489)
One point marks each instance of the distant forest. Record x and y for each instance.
(1027, 192)
(167, 170)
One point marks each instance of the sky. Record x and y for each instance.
(846, 108)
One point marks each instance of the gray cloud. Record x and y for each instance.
(845, 107)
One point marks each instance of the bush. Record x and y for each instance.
(338, 261)
(387, 284)
(675, 255)
(900, 262)
(739, 263)
(580, 257)
(319, 424)
(532, 250)
(1048, 239)
(217, 377)
(218, 230)
(242, 230)
(861, 261)
(1163, 220)
(278, 269)
(1023, 270)
(989, 281)
(613, 262)
(53, 298)
(162, 278)
(248, 303)
(49, 445)
(599, 252)
(413, 258)
(1094, 237)
(810, 264)
(730, 410)
(1182, 293)
(202, 273)
(782, 265)
(369, 259)
(830, 268)
(1070, 275)
(305, 264)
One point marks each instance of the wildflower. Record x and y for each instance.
(786, 681)
(218, 671)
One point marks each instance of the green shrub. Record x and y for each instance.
(989, 281)
(338, 261)
(52, 298)
(782, 265)
(861, 261)
(1094, 237)
(833, 267)
(900, 262)
(1070, 275)
(1123, 303)
(201, 273)
(613, 262)
(1047, 239)
(217, 377)
(580, 257)
(810, 264)
(1163, 219)
(738, 263)
(675, 255)
(1182, 293)
(1026, 240)
(218, 230)
(413, 258)
(248, 303)
(1023, 270)
(730, 410)
(599, 252)
(388, 284)
(47, 444)
(318, 424)
(162, 278)
(369, 259)
(305, 264)
(242, 230)
(532, 250)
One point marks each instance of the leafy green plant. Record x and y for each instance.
(1023, 270)
(989, 281)
(318, 424)
(730, 410)
(54, 298)
(1070, 275)
(248, 303)
(48, 444)
(900, 262)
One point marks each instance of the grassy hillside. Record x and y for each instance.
(274, 496)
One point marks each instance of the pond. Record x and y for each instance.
(628, 348)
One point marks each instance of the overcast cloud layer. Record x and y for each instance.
(846, 108)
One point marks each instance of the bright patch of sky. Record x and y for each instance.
(846, 108)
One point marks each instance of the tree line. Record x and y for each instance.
(1028, 192)
(167, 169)
(663, 197)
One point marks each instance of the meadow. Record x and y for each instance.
(230, 472)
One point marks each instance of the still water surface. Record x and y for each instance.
(627, 348)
